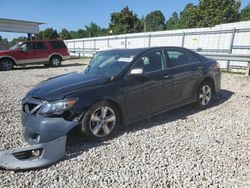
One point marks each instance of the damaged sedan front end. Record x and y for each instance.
(49, 112)
(45, 130)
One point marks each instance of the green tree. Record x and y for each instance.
(4, 41)
(245, 13)
(154, 21)
(173, 22)
(124, 22)
(189, 17)
(93, 30)
(81, 33)
(18, 39)
(213, 12)
(64, 34)
(48, 33)
(40, 35)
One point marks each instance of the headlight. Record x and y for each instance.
(56, 107)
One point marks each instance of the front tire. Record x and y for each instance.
(205, 96)
(6, 64)
(55, 61)
(101, 121)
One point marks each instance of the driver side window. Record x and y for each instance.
(152, 61)
(26, 47)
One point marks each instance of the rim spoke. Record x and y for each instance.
(207, 92)
(207, 98)
(96, 129)
(106, 129)
(201, 96)
(95, 118)
(104, 111)
(110, 118)
(204, 90)
(203, 101)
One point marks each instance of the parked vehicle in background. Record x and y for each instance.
(2, 47)
(47, 52)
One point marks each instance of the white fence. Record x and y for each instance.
(233, 38)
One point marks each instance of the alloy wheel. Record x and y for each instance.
(102, 121)
(6, 64)
(205, 95)
(55, 62)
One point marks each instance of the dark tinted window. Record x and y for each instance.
(152, 61)
(175, 58)
(192, 58)
(33, 46)
(57, 44)
(39, 45)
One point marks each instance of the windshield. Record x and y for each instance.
(110, 63)
(16, 46)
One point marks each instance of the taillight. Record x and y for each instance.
(217, 65)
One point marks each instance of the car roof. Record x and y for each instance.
(44, 40)
(140, 50)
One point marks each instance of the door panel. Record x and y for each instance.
(182, 74)
(33, 52)
(151, 91)
(183, 82)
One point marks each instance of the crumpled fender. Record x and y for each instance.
(33, 156)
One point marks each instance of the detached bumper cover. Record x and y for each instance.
(22, 158)
(47, 142)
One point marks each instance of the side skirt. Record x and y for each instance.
(147, 115)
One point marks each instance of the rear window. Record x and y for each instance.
(57, 44)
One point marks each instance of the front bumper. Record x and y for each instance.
(47, 142)
(33, 156)
(39, 129)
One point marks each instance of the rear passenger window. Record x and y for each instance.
(39, 45)
(192, 58)
(57, 44)
(175, 58)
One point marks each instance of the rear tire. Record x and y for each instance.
(55, 61)
(6, 64)
(101, 121)
(204, 95)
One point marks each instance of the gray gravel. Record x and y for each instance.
(182, 148)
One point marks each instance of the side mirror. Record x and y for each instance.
(136, 72)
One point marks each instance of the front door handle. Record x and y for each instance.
(167, 76)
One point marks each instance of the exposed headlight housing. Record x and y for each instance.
(56, 107)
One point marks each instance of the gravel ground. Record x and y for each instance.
(181, 148)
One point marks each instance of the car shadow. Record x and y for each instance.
(28, 67)
(77, 144)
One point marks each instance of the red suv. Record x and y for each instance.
(47, 52)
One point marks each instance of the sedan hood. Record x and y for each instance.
(57, 88)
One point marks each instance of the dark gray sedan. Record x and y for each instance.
(118, 87)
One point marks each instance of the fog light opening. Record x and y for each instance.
(36, 152)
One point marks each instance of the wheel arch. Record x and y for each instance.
(209, 80)
(9, 57)
(57, 55)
